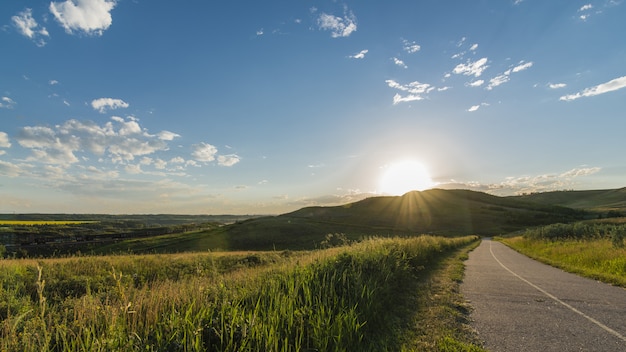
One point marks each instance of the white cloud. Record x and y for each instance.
(28, 26)
(410, 47)
(160, 164)
(612, 85)
(498, 80)
(120, 140)
(476, 83)
(228, 160)
(204, 152)
(522, 66)
(556, 85)
(470, 68)
(415, 90)
(7, 103)
(359, 55)
(132, 169)
(11, 170)
(259, 32)
(104, 104)
(473, 47)
(53, 82)
(399, 62)
(338, 26)
(476, 107)
(528, 184)
(506, 76)
(585, 8)
(167, 135)
(91, 17)
(4, 140)
(397, 98)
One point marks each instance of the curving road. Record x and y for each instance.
(520, 304)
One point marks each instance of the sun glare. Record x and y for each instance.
(401, 177)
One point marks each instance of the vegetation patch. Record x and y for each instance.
(596, 250)
(361, 297)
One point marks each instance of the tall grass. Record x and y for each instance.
(341, 299)
(598, 258)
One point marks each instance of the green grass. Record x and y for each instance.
(356, 298)
(594, 258)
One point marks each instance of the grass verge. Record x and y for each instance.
(441, 322)
(596, 258)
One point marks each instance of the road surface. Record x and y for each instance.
(520, 304)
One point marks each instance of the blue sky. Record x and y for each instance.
(250, 107)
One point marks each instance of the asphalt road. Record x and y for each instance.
(520, 304)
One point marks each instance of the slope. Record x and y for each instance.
(593, 200)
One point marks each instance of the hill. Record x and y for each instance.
(601, 201)
(437, 211)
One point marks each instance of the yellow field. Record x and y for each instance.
(42, 222)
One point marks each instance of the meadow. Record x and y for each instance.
(593, 249)
(375, 295)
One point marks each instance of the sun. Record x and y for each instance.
(405, 176)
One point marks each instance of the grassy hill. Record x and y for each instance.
(439, 212)
(595, 200)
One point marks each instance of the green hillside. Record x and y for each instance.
(440, 212)
(595, 200)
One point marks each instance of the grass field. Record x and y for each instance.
(594, 250)
(354, 298)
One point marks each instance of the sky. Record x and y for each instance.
(265, 107)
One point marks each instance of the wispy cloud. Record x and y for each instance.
(91, 17)
(472, 68)
(7, 103)
(228, 160)
(556, 85)
(476, 107)
(476, 83)
(359, 55)
(4, 142)
(399, 62)
(104, 104)
(610, 86)
(415, 90)
(506, 75)
(528, 184)
(28, 26)
(410, 47)
(338, 26)
(167, 135)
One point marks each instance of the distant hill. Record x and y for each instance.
(596, 200)
(437, 211)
